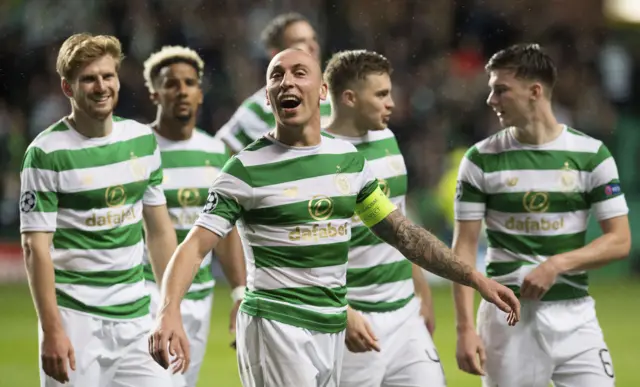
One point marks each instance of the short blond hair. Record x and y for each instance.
(169, 55)
(81, 49)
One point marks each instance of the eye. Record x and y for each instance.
(300, 73)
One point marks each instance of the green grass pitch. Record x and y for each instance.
(618, 309)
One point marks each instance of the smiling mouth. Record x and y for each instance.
(290, 102)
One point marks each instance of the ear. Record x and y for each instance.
(266, 92)
(66, 88)
(323, 91)
(537, 91)
(348, 98)
(154, 98)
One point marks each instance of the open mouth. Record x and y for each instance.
(290, 102)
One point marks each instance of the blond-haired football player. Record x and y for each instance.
(89, 183)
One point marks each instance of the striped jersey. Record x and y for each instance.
(254, 118)
(379, 277)
(189, 167)
(293, 208)
(89, 192)
(536, 201)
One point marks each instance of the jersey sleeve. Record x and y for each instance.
(38, 192)
(229, 196)
(605, 192)
(154, 195)
(470, 199)
(246, 125)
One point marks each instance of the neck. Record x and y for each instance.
(90, 127)
(173, 129)
(299, 136)
(542, 129)
(343, 125)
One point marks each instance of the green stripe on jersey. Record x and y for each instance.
(295, 209)
(90, 192)
(190, 166)
(372, 262)
(536, 198)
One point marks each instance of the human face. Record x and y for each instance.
(373, 102)
(511, 98)
(178, 91)
(94, 90)
(302, 35)
(294, 87)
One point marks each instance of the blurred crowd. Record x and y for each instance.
(438, 49)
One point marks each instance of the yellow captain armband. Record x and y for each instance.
(374, 208)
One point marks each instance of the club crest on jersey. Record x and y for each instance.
(28, 201)
(138, 168)
(568, 178)
(395, 163)
(342, 182)
(212, 202)
(211, 172)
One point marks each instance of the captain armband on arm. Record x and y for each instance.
(374, 208)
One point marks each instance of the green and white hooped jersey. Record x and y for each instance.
(254, 118)
(536, 201)
(293, 208)
(379, 277)
(189, 167)
(89, 192)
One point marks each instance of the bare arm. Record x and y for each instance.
(424, 249)
(465, 246)
(184, 265)
(231, 257)
(614, 244)
(41, 276)
(161, 238)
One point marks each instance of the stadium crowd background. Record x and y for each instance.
(438, 49)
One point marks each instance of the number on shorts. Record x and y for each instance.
(606, 362)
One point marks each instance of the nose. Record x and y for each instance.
(391, 104)
(287, 80)
(99, 86)
(182, 88)
(492, 100)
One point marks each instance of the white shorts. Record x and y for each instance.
(559, 341)
(407, 357)
(196, 316)
(109, 353)
(273, 354)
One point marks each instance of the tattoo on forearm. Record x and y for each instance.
(422, 248)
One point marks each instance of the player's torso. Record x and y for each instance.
(537, 202)
(101, 184)
(189, 168)
(302, 207)
(379, 277)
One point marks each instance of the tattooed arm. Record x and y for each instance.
(427, 251)
(424, 249)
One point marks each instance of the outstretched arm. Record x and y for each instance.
(424, 249)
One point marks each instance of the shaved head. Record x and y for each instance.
(297, 55)
(295, 88)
